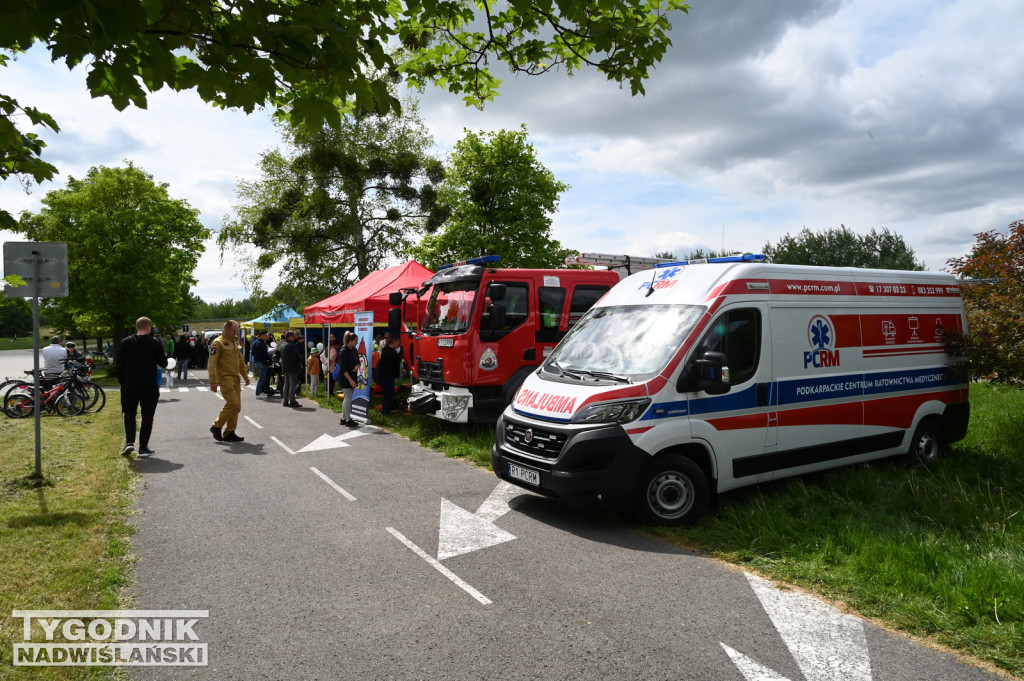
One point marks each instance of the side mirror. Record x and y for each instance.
(709, 373)
(497, 316)
(395, 298)
(496, 292)
(713, 373)
(395, 317)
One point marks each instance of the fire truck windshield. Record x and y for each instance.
(630, 341)
(450, 307)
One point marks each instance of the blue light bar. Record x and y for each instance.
(746, 257)
(472, 261)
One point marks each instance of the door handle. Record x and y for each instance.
(762, 394)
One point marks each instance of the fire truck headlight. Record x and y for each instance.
(452, 406)
(612, 412)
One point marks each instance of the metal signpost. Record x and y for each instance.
(44, 267)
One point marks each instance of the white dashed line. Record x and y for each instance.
(440, 568)
(333, 484)
(253, 422)
(283, 446)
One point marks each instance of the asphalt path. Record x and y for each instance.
(367, 556)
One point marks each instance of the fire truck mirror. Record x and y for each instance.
(395, 298)
(496, 292)
(395, 318)
(497, 316)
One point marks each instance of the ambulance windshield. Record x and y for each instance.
(450, 307)
(624, 343)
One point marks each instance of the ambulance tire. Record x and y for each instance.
(928, 443)
(672, 490)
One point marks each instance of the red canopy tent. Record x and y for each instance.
(369, 294)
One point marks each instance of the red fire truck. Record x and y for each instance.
(485, 329)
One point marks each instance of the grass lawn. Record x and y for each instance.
(65, 542)
(934, 552)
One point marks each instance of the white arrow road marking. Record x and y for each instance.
(826, 644)
(463, 532)
(751, 670)
(500, 501)
(326, 441)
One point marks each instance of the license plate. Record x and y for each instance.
(446, 342)
(525, 474)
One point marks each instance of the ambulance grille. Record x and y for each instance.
(543, 443)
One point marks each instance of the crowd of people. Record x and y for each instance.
(281, 368)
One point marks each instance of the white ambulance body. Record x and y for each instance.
(694, 379)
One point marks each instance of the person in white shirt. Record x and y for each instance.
(54, 357)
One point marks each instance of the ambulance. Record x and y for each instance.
(700, 377)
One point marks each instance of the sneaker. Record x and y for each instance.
(216, 433)
(129, 447)
(261, 396)
(352, 423)
(146, 451)
(230, 436)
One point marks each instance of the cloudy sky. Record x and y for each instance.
(763, 119)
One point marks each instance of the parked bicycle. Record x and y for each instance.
(76, 378)
(19, 401)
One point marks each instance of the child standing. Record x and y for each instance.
(313, 371)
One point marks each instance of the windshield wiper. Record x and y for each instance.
(578, 374)
(566, 371)
(609, 376)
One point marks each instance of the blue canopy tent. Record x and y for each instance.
(277, 319)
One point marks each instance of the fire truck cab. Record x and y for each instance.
(485, 329)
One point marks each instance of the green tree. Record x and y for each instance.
(339, 204)
(995, 304)
(15, 316)
(501, 198)
(842, 247)
(132, 250)
(307, 59)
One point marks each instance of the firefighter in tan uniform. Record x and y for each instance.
(225, 367)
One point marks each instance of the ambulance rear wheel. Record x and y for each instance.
(928, 443)
(673, 490)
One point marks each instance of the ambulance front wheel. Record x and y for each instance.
(929, 442)
(673, 490)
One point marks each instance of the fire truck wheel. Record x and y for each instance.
(512, 385)
(928, 443)
(673, 490)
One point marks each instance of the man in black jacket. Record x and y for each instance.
(292, 363)
(139, 358)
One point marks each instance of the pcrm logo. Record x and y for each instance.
(821, 337)
(664, 279)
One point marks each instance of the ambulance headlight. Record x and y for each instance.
(612, 412)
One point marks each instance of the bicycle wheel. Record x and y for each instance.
(19, 406)
(69, 404)
(12, 390)
(94, 396)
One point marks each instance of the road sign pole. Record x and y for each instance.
(36, 400)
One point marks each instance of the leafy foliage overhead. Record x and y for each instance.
(994, 343)
(132, 250)
(308, 59)
(501, 199)
(842, 247)
(338, 203)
